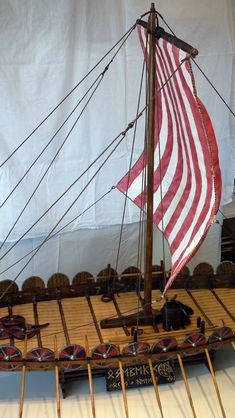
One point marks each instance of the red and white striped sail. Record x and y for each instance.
(187, 180)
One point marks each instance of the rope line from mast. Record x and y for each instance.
(130, 126)
(50, 141)
(142, 236)
(97, 80)
(203, 73)
(121, 134)
(130, 162)
(60, 230)
(50, 164)
(92, 323)
(124, 37)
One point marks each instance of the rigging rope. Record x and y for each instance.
(130, 163)
(200, 69)
(67, 136)
(142, 236)
(98, 320)
(52, 161)
(130, 126)
(125, 36)
(50, 141)
(60, 230)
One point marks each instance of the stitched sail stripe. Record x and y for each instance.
(184, 183)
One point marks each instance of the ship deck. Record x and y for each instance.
(73, 320)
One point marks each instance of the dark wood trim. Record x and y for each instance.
(222, 304)
(200, 308)
(36, 319)
(64, 325)
(10, 313)
(125, 329)
(95, 319)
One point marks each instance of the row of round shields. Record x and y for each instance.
(103, 352)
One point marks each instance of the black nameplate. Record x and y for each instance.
(140, 375)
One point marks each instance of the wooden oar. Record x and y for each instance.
(186, 385)
(23, 380)
(90, 380)
(57, 381)
(155, 385)
(123, 388)
(215, 382)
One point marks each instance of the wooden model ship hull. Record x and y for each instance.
(75, 345)
(92, 325)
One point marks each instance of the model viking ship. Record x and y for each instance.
(84, 328)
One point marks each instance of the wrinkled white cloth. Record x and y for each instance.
(46, 48)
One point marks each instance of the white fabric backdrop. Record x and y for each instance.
(46, 48)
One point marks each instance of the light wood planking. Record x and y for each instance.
(105, 310)
(49, 312)
(212, 308)
(27, 312)
(79, 321)
(228, 298)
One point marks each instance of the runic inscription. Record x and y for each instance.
(139, 375)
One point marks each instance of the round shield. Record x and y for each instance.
(20, 333)
(102, 352)
(192, 343)
(9, 353)
(220, 334)
(39, 355)
(164, 347)
(12, 320)
(72, 352)
(135, 349)
(4, 334)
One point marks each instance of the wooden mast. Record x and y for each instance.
(146, 317)
(150, 164)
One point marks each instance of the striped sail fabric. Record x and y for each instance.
(187, 180)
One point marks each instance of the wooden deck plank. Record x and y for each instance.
(79, 320)
(27, 312)
(77, 314)
(129, 305)
(228, 298)
(105, 310)
(212, 308)
(48, 312)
